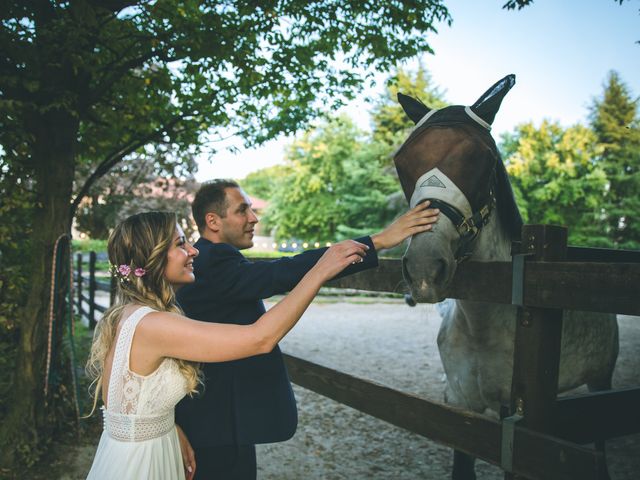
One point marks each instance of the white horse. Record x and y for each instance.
(451, 159)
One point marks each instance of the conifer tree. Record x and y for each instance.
(614, 119)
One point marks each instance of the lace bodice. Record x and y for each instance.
(141, 406)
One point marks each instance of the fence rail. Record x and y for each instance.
(544, 277)
(86, 305)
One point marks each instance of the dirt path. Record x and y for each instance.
(393, 344)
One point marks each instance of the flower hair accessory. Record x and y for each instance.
(124, 271)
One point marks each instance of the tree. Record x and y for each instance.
(614, 119)
(390, 124)
(556, 179)
(520, 4)
(86, 83)
(99, 212)
(333, 187)
(140, 183)
(339, 182)
(262, 183)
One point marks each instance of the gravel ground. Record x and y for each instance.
(393, 344)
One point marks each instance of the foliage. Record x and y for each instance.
(333, 187)
(87, 84)
(614, 119)
(15, 229)
(89, 245)
(519, 4)
(338, 182)
(390, 124)
(555, 178)
(117, 196)
(262, 183)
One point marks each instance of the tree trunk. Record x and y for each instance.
(29, 422)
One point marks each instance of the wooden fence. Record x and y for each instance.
(86, 306)
(540, 436)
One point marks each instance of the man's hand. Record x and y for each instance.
(417, 220)
(188, 456)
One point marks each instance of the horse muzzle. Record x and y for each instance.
(427, 276)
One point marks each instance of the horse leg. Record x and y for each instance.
(463, 466)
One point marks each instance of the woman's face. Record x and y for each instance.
(179, 270)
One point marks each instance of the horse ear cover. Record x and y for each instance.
(414, 108)
(489, 102)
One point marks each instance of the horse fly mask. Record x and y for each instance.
(436, 186)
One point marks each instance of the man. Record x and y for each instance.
(249, 401)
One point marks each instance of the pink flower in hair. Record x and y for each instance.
(124, 270)
(139, 272)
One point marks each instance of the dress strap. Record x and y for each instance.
(121, 357)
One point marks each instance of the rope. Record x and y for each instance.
(52, 299)
(55, 271)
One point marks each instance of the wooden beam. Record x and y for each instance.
(387, 277)
(536, 456)
(103, 286)
(597, 416)
(538, 333)
(562, 284)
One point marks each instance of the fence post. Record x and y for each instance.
(92, 290)
(79, 282)
(536, 355)
(112, 290)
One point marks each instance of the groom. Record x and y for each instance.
(249, 401)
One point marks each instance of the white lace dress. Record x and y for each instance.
(139, 440)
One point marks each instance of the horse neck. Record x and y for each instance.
(481, 319)
(493, 243)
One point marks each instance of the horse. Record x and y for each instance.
(451, 159)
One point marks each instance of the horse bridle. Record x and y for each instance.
(468, 228)
(469, 225)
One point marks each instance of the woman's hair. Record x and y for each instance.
(140, 241)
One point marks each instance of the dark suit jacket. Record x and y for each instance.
(245, 401)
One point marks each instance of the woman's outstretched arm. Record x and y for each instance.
(162, 334)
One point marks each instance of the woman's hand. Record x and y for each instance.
(417, 220)
(339, 256)
(188, 456)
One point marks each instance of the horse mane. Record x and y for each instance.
(508, 211)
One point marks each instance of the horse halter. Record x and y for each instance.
(445, 195)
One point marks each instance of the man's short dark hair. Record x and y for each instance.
(211, 197)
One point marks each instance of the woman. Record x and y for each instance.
(143, 348)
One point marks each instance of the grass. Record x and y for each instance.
(86, 246)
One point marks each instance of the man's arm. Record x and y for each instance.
(234, 278)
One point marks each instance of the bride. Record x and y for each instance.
(144, 354)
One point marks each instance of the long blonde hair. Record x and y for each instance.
(140, 241)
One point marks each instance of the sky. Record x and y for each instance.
(561, 52)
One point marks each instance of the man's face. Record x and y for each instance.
(236, 228)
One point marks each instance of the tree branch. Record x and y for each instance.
(114, 158)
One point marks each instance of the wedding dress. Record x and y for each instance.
(139, 440)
